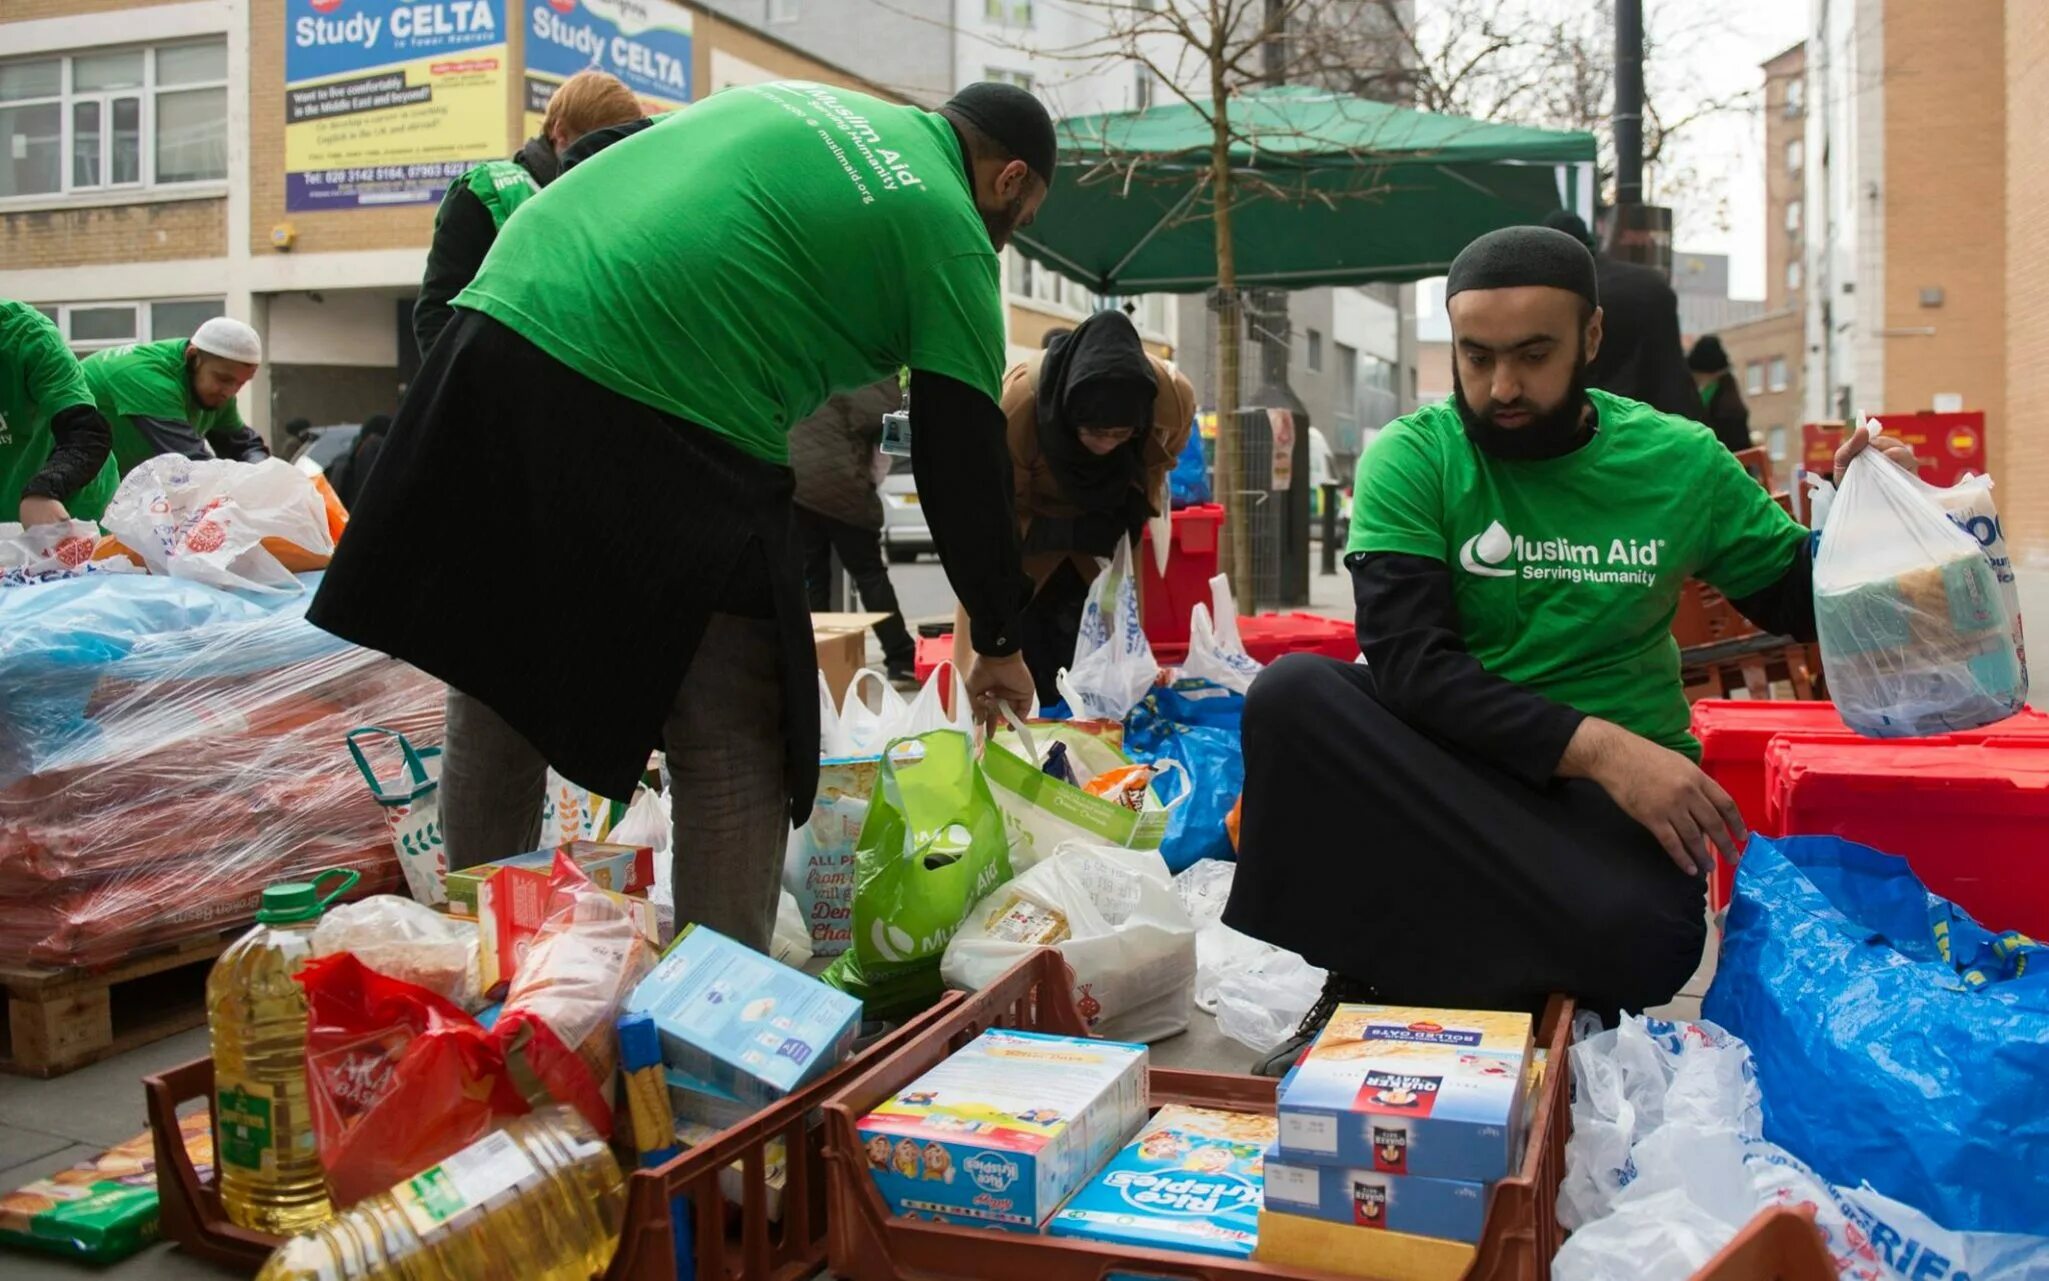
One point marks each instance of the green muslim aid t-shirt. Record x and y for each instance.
(39, 377)
(1566, 571)
(738, 262)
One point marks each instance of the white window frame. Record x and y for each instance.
(1008, 13)
(780, 11)
(1780, 377)
(1796, 96)
(145, 319)
(1753, 378)
(1795, 273)
(1796, 155)
(1793, 216)
(1018, 79)
(1312, 350)
(146, 123)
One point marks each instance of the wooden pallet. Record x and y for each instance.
(59, 1020)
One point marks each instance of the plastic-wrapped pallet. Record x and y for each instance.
(167, 749)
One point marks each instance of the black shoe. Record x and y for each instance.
(901, 673)
(1337, 991)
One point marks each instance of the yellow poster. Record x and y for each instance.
(386, 102)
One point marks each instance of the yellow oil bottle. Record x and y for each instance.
(540, 1200)
(270, 1176)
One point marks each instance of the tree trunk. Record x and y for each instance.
(1234, 547)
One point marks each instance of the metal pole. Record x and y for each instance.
(1330, 528)
(1628, 103)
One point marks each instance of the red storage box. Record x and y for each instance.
(1266, 636)
(1967, 817)
(1165, 601)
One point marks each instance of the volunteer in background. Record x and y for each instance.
(1095, 424)
(55, 463)
(1505, 802)
(177, 396)
(1642, 353)
(609, 411)
(354, 467)
(1722, 407)
(477, 204)
(839, 509)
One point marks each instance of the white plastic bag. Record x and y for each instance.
(928, 711)
(1113, 662)
(1215, 652)
(1668, 1162)
(209, 521)
(861, 730)
(792, 944)
(407, 941)
(1916, 634)
(1258, 992)
(1114, 916)
(45, 553)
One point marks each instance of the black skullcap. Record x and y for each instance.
(1571, 224)
(1015, 119)
(1516, 256)
(1707, 356)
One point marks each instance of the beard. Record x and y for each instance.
(1550, 433)
(1002, 222)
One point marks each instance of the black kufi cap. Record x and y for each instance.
(1015, 119)
(1517, 256)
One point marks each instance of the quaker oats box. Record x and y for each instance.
(1449, 1209)
(1189, 1181)
(1001, 1133)
(1405, 1090)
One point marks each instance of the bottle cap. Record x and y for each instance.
(291, 901)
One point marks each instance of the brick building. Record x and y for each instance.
(143, 180)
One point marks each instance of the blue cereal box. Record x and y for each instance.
(1004, 1130)
(1450, 1209)
(739, 1024)
(1189, 1181)
(1401, 1090)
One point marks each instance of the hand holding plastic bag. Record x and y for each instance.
(1113, 662)
(1915, 630)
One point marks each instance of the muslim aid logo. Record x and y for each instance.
(1496, 553)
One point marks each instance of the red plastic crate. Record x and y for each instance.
(1967, 817)
(1165, 601)
(1266, 636)
(1735, 735)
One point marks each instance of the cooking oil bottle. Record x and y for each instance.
(540, 1200)
(270, 1172)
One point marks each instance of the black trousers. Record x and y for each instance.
(1388, 858)
(860, 550)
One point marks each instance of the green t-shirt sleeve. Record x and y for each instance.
(1750, 538)
(956, 311)
(51, 373)
(1395, 500)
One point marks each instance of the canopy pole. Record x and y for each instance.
(1628, 103)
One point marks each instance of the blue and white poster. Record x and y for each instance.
(387, 101)
(645, 43)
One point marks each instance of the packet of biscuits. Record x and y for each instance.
(104, 1208)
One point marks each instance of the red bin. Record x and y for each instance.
(1165, 601)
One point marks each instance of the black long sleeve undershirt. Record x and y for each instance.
(83, 440)
(962, 465)
(1409, 631)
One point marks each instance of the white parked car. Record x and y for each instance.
(905, 535)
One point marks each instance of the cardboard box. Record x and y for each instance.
(742, 1025)
(1450, 1209)
(512, 904)
(1189, 1181)
(623, 869)
(1006, 1129)
(1403, 1090)
(842, 641)
(1290, 1240)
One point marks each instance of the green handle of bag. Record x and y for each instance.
(417, 780)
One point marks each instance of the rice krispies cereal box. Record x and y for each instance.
(1189, 1181)
(741, 1025)
(1004, 1130)
(1403, 1090)
(1450, 1209)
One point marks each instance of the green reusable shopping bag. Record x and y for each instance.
(931, 848)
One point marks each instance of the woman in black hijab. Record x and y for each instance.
(1095, 424)
(1721, 404)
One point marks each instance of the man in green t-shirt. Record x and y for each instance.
(1504, 802)
(177, 395)
(607, 419)
(54, 464)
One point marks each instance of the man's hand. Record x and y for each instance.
(995, 681)
(1686, 810)
(43, 511)
(1891, 446)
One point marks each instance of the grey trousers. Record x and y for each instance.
(724, 741)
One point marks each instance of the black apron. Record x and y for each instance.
(555, 549)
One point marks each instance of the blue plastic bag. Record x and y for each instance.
(1196, 724)
(1188, 483)
(1897, 1041)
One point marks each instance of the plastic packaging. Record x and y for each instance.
(1668, 1163)
(1114, 916)
(1215, 652)
(1916, 631)
(792, 943)
(1195, 724)
(1041, 811)
(168, 749)
(46, 553)
(541, 1200)
(408, 941)
(1113, 662)
(271, 1179)
(243, 526)
(1928, 1029)
(105, 1207)
(1258, 992)
(411, 802)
